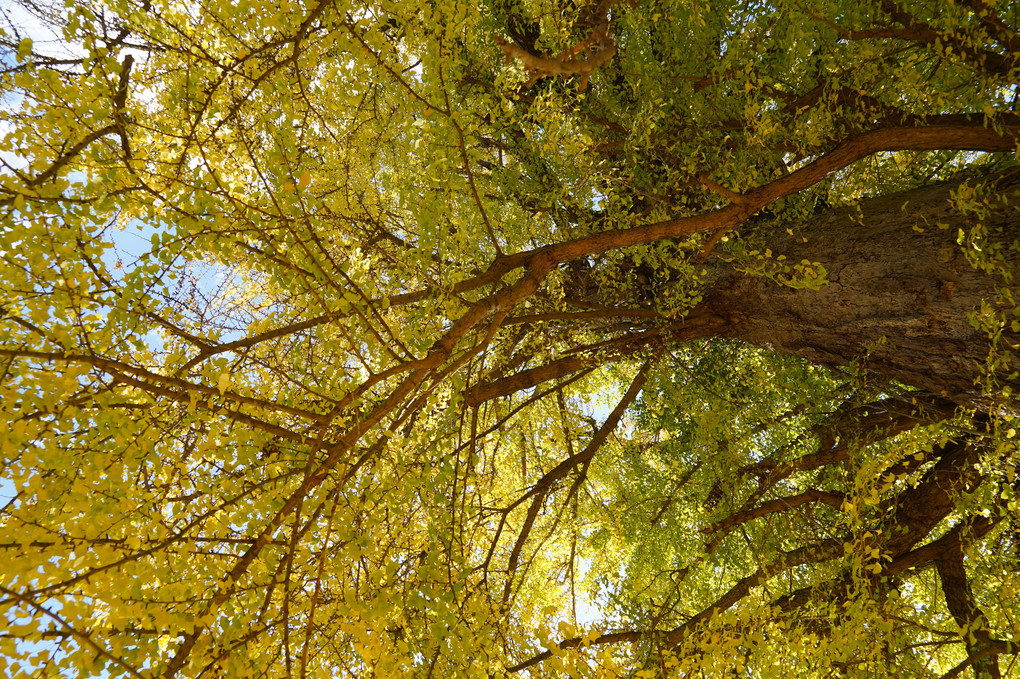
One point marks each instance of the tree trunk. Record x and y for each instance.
(900, 292)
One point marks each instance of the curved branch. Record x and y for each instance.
(946, 133)
(968, 616)
(775, 506)
(695, 326)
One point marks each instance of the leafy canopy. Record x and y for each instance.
(369, 339)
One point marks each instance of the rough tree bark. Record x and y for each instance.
(900, 291)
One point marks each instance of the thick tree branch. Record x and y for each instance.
(969, 618)
(948, 134)
(778, 505)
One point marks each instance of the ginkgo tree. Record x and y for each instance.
(515, 338)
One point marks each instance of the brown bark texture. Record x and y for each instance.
(899, 296)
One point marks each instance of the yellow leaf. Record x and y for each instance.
(222, 382)
(305, 179)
